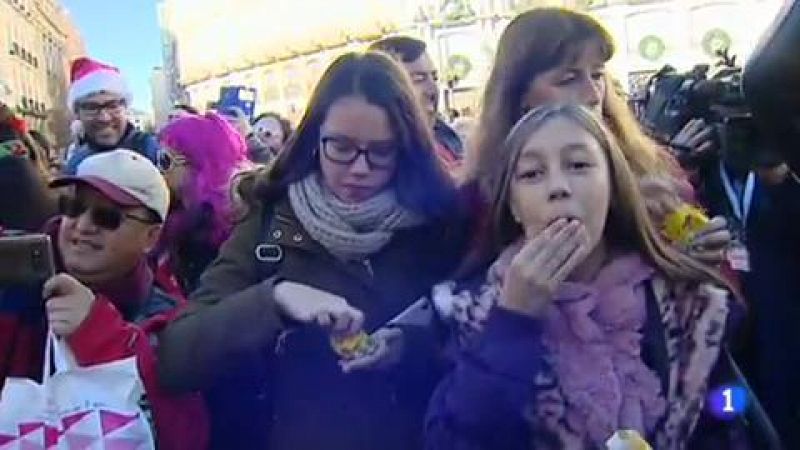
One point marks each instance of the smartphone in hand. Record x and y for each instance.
(26, 259)
(420, 314)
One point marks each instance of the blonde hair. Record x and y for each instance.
(534, 42)
(628, 224)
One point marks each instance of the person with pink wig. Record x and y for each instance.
(201, 154)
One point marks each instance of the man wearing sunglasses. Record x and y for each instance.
(99, 97)
(107, 304)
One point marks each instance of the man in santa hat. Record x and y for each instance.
(99, 97)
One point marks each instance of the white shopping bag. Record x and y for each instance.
(75, 408)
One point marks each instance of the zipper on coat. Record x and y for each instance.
(368, 265)
(280, 343)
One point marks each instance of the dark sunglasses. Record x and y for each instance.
(104, 217)
(166, 161)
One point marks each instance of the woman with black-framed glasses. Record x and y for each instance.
(353, 223)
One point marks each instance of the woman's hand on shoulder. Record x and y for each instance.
(710, 244)
(661, 196)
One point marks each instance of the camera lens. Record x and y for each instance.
(37, 260)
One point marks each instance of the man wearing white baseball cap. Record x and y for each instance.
(126, 178)
(108, 305)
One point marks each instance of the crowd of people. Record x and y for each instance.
(229, 257)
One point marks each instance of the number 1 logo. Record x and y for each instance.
(728, 406)
(726, 402)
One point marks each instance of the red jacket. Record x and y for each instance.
(450, 160)
(106, 335)
(22, 333)
(180, 420)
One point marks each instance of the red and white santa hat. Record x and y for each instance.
(88, 77)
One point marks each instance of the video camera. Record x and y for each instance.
(673, 99)
(772, 85)
(755, 112)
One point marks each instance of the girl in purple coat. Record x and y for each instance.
(595, 323)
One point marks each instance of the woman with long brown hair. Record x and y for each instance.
(559, 55)
(353, 223)
(597, 324)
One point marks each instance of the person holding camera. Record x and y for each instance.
(729, 146)
(105, 301)
(760, 197)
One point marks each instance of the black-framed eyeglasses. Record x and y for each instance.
(104, 217)
(343, 150)
(113, 107)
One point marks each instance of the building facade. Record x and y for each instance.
(37, 41)
(162, 103)
(170, 70)
(651, 33)
(141, 120)
(281, 47)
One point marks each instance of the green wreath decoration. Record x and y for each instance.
(458, 66)
(455, 10)
(714, 40)
(652, 48)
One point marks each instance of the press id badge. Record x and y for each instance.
(739, 257)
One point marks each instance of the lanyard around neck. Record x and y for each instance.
(740, 205)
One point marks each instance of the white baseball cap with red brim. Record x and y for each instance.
(124, 177)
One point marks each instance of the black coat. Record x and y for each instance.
(771, 355)
(271, 389)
